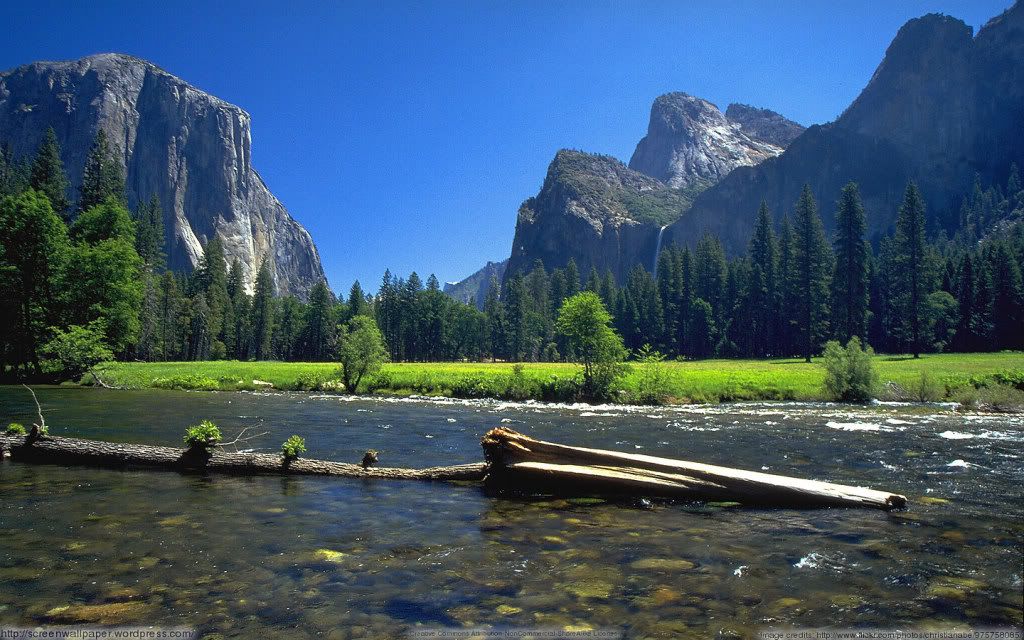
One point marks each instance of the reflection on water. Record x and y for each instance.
(340, 558)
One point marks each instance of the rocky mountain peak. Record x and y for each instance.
(690, 142)
(190, 149)
(764, 124)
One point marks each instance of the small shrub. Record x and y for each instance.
(317, 381)
(849, 372)
(15, 429)
(926, 388)
(204, 435)
(652, 381)
(968, 397)
(1001, 397)
(187, 382)
(292, 447)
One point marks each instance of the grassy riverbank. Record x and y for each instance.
(702, 381)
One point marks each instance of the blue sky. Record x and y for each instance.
(405, 135)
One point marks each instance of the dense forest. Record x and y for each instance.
(89, 276)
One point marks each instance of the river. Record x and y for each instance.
(338, 558)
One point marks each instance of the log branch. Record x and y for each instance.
(96, 453)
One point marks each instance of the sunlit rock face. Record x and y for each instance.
(189, 148)
(690, 142)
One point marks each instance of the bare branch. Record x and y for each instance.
(39, 410)
(239, 437)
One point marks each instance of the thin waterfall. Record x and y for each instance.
(657, 250)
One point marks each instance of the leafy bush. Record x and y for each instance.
(926, 388)
(292, 447)
(204, 435)
(849, 372)
(74, 352)
(187, 382)
(15, 429)
(652, 381)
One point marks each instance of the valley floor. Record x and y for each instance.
(946, 377)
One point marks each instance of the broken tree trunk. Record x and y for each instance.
(520, 462)
(52, 449)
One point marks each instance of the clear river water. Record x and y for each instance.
(337, 558)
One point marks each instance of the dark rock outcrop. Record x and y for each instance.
(764, 124)
(941, 107)
(691, 143)
(473, 289)
(190, 149)
(596, 210)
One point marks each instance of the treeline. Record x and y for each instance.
(85, 281)
(795, 288)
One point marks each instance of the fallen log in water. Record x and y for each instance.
(518, 461)
(52, 449)
(514, 461)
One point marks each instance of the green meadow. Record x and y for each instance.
(944, 376)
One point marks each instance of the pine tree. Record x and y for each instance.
(812, 266)
(494, 311)
(47, 174)
(149, 235)
(572, 279)
(170, 308)
(357, 305)
(850, 280)
(516, 301)
(710, 272)
(762, 290)
(102, 177)
(262, 314)
(318, 335)
(964, 339)
(1007, 301)
(912, 265)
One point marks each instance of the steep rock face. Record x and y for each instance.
(690, 143)
(940, 107)
(764, 124)
(190, 149)
(596, 210)
(474, 288)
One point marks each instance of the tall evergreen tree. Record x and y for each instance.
(1007, 301)
(850, 281)
(318, 335)
(149, 235)
(262, 314)
(102, 176)
(357, 305)
(494, 311)
(762, 289)
(812, 266)
(47, 174)
(912, 255)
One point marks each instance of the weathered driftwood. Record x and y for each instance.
(518, 461)
(52, 449)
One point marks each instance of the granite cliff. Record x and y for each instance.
(189, 148)
(943, 106)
